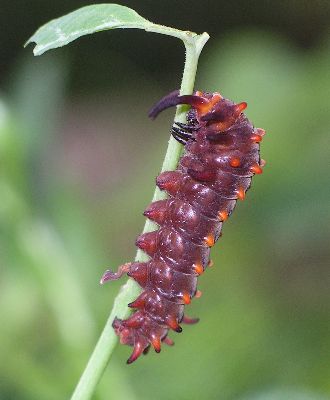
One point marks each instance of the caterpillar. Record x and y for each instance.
(221, 154)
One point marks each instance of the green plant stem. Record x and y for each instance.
(107, 341)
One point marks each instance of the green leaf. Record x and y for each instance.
(95, 18)
(84, 21)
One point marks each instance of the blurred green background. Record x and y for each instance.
(78, 158)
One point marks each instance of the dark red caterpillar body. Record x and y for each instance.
(221, 156)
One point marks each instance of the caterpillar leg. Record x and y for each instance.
(179, 133)
(189, 321)
(168, 341)
(113, 276)
(179, 138)
(187, 127)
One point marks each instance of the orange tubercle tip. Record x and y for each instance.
(216, 97)
(241, 194)
(209, 104)
(256, 138)
(241, 106)
(210, 240)
(199, 268)
(186, 298)
(156, 344)
(256, 169)
(235, 162)
(223, 215)
(172, 323)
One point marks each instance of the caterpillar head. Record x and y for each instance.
(211, 109)
(217, 112)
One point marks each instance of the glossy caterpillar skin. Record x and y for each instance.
(221, 156)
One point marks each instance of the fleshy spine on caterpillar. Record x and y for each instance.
(221, 156)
